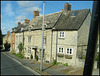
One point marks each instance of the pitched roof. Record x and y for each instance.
(69, 22)
(58, 21)
(49, 20)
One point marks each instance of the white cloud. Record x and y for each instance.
(20, 18)
(30, 6)
(27, 3)
(31, 9)
(4, 28)
(41, 14)
(8, 10)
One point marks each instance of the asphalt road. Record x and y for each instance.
(11, 67)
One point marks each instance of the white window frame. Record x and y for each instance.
(45, 40)
(61, 34)
(29, 50)
(69, 51)
(29, 40)
(61, 50)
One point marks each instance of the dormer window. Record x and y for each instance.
(75, 13)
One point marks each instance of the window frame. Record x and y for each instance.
(61, 34)
(29, 40)
(29, 50)
(61, 49)
(45, 40)
(69, 51)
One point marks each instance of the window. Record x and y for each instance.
(75, 13)
(29, 39)
(44, 40)
(69, 51)
(29, 50)
(60, 50)
(61, 34)
(43, 52)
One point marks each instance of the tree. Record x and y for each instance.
(20, 47)
(6, 45)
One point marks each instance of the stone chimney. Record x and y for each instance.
(8, 34)
(26, 21)
(19, 23)
(35, 13)
(61, 9)
(67, 7)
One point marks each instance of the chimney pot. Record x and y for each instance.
(35, 13)
(19, 23)
(26, 21)
(67, 7)
(61, 9)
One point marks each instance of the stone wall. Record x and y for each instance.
(70, 41)
(83, 34)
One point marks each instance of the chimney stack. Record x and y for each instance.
(26, 21)
(8, 34)
(67, 7)
(35, 13)
(61, 9)
(19, 23)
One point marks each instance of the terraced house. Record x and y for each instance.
(65, 35)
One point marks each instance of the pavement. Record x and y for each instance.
(48, 69)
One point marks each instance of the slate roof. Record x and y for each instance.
(49, 20)
(18, 28)
(58, 21)
(69, 22)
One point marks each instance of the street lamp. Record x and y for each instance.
(41, 66)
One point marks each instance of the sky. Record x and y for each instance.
(14, 11)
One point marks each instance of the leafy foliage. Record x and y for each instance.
(20, 47)
(66, 64)
(19, 55)
(6, 45)
(36, 57)
(31, 56)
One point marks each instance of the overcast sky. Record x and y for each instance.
(14, 11)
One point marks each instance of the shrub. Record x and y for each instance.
(19, 55)
(83, 57)
(54, 62)
(66, 64)
(31, 56)
(20, 47)
(36, 57)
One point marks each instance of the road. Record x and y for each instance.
(11, 67)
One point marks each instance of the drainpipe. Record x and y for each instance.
(92, 41)
(51, 46)
(56, 43)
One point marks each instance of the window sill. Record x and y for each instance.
(68, 56)
(61, 37)
(60, 55)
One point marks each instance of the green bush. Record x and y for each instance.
(83, 57)
(36, 57)
(54, 62)
(66, 64)
(31, 56)
(20, 47)
(21, 56)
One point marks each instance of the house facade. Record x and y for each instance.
(65, 35)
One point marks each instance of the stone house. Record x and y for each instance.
(65, 35)
(7, 38)
(17, 34)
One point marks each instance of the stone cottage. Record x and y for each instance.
(65, 35)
